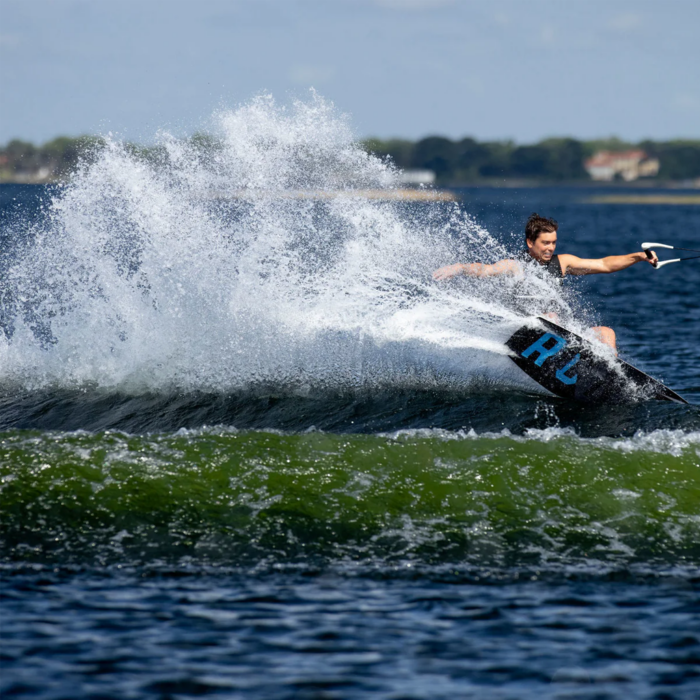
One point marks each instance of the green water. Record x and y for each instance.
(547, 499)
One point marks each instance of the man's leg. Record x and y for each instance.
(606, 335)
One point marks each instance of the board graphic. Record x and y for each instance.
(566, 364)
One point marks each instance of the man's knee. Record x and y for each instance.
(605, 335)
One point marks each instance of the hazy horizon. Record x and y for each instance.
(152, 141)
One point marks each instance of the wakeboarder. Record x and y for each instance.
(541, 241)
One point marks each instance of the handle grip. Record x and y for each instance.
(648, 254)
(647, 246)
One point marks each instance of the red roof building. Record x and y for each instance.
(628, 165)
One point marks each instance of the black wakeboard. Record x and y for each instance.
(566, 364)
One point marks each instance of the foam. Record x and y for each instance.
(662, 441)
(146, 277)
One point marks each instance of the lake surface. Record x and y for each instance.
(250, 449)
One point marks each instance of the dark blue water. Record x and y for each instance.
(423, 635)
(410, 535)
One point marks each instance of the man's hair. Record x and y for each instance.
(537, 224)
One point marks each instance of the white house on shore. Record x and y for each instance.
(629, 165)
(417, 177)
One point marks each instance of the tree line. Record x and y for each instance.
(51, 160)
(458, 162)
(555, 159)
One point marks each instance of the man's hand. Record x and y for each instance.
(653, 259)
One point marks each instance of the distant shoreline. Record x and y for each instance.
(451, 164)
(493, 184)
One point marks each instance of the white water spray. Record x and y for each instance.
(206, 269)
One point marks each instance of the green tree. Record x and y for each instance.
(471, 156)
(437, 154)
(497, 164)
(22, 156)
(679, 160)
(529, 162)
(399, 150)
(565, 159)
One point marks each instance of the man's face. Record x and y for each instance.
(543, 248)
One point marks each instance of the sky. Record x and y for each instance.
(491, 69)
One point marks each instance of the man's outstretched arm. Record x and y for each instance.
(613, 263)
(502, 267)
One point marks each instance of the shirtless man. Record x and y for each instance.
(541, 240)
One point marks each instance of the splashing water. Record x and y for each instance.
(226, 264)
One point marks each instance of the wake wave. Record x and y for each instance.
(549, 499)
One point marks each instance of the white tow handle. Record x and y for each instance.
(666, 262)
(649, 246)
(646, 247)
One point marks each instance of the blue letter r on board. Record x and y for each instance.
(545, 353)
